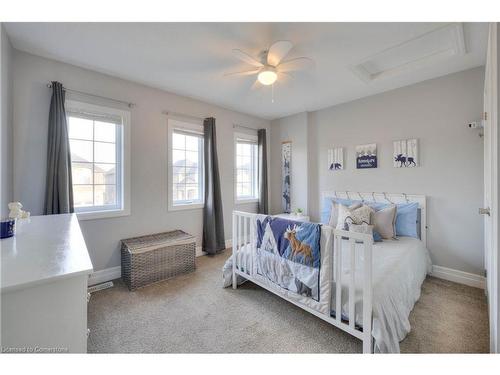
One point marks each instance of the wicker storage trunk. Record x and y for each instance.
(156, 257)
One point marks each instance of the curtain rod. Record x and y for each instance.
(171, 113)
(244, 127)
(177, 114)
(128, 104)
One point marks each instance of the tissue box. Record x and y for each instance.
(7, 228)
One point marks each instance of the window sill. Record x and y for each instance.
(180, 207)
(246, 201)
(95, 215)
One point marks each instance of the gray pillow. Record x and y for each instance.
(334, 214)
(384, 221)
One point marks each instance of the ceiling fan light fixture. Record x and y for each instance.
(267, 76)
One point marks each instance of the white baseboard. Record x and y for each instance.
(113, 273)
(460, 277)
(104, 275)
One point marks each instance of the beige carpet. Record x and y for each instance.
(193, 314)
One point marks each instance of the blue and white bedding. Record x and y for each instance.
(288, 254)
(305, 281)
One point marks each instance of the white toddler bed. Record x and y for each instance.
(381, 291)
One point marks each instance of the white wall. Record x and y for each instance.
(6, 123)
(149, 151)
(292, 128)
(451, 171)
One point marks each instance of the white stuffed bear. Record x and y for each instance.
(16, 211)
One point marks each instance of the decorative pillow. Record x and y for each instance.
(334, 215)
(328, 209)
(385, 221)
(358, 214)
(406, 217)
(406, 220)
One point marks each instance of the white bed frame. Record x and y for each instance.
(243, 234)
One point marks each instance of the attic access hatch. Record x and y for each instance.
(422, 51)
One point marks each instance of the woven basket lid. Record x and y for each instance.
(157, 240)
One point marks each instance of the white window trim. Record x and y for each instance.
(125, 164)
(239, 201)
(195, 128)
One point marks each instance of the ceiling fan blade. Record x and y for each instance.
(239, 54)
(243, 73)
(286, 75)
(299, 63)
(278, 51)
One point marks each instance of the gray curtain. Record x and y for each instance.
(262, 145)
(59, 187)
(213, 221)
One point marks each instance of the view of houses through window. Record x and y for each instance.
(246, 169)
(187, 167)
(94, 149)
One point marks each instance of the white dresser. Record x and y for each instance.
(44, 275)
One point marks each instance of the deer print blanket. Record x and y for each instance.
(288, 254)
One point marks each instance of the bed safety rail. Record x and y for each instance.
(243, 244)
(345, 238)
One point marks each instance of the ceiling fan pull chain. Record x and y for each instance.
(272, 93)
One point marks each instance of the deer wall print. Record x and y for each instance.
(286, 157)
(336, 159)
(406, 153)
(297, 246)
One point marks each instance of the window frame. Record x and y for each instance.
(185, 126)
(123, 207)
(252, 139)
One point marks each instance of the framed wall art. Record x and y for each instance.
(336, 158)
(286, 158)
(366, 156)
(405, 153)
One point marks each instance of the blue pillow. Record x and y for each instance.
(406, 220)
(326, 209)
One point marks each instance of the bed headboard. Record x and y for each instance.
(389, 198)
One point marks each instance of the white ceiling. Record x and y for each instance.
(191, 58)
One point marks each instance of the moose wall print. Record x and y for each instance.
(335, 158)
(366, 156)
(286, 158)
(405, 153)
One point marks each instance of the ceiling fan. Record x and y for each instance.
(271, 63)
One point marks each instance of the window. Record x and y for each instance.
(98, 139)
(246, 168)
(185, 165)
